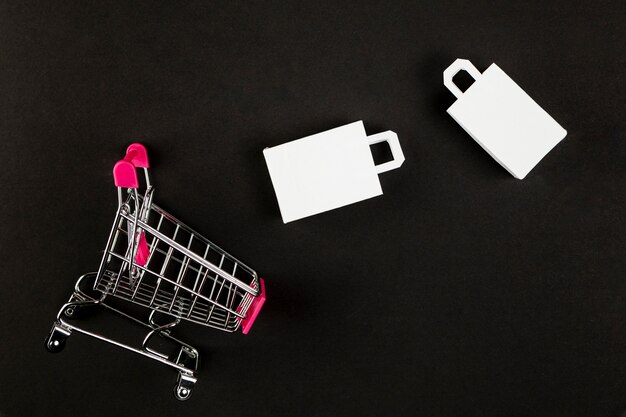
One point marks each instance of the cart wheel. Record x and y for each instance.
(183, 387)
(70, 311)
(55, 342)
(182, 393)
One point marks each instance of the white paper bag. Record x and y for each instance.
(502, 118)
(328, 170)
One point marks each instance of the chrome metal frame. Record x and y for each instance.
(186, 361)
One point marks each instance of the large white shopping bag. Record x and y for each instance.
(328, 170)
(502, 118)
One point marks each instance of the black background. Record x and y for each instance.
(459, 292)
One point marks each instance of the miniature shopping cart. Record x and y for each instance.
(154, 261)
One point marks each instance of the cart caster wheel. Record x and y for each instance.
(182, 393)
(70, 312)
(184, 386)
(55, 342)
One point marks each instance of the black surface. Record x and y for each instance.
(460, 292)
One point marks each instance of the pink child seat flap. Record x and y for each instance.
(253, 311)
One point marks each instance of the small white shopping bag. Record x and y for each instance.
(328, 170)
(502, 118)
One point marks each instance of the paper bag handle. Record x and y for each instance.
(396, 151)
(452, 70)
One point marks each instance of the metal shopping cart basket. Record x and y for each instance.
(154, 261)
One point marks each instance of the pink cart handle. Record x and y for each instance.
(124, 171)
(137, 155)
(253, 311)
(125, 175)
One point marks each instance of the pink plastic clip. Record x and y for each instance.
(143, 252)
(253, 311)
(137, 155)
(125, 175)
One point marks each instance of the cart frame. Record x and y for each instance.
(131, 270)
